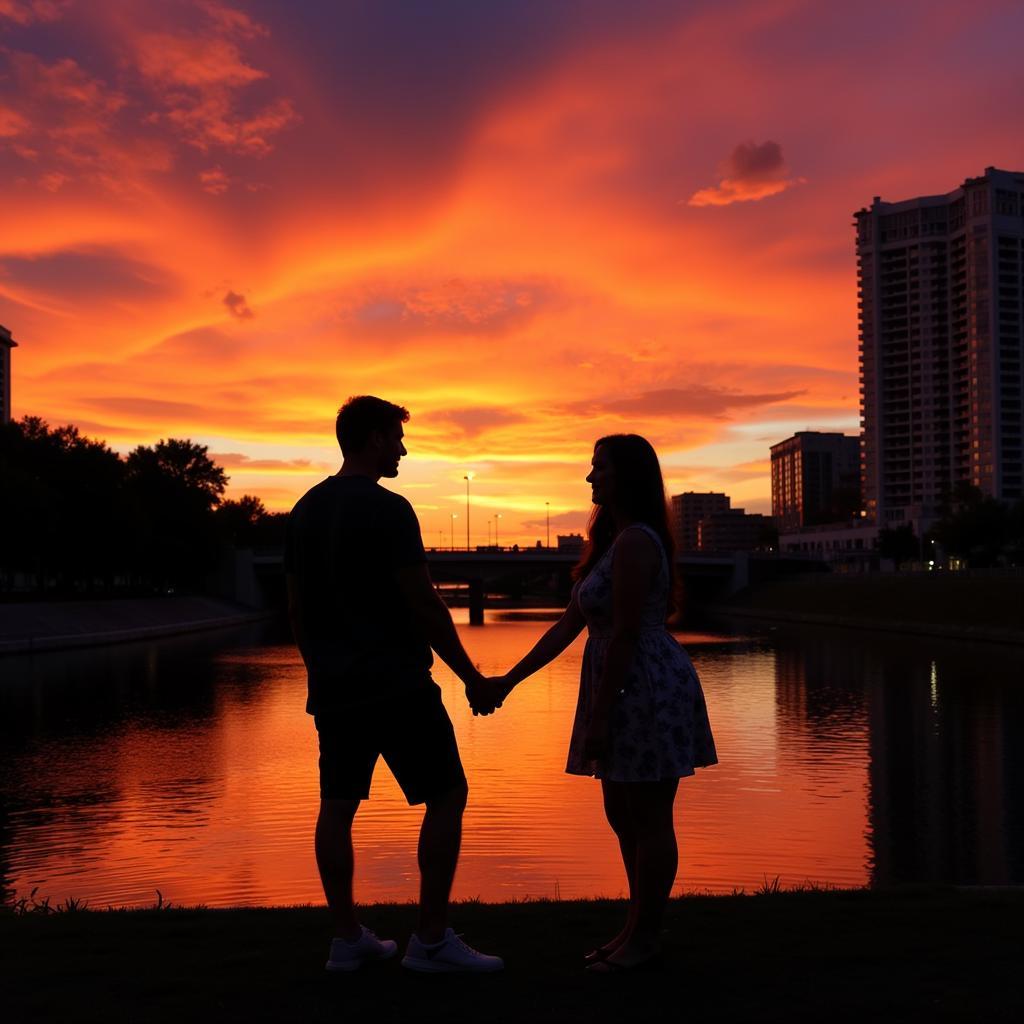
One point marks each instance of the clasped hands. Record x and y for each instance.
(486, 693)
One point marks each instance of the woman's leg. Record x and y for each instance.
(657, 859)
(616, 810)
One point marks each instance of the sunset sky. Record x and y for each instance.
(530, 222)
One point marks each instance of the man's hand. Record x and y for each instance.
(485, 695)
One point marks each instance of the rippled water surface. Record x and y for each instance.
(189, 766)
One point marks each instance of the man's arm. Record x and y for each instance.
(295, 614)
(433, 617)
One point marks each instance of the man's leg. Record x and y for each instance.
(438, 853)
(335, 860)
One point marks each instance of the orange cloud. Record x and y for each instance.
(751, 172)
(477, 215)
(25, 12)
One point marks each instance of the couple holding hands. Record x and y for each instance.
(366, 616)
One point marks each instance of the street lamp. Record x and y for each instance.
(454, 515)
(469, 476)
(497, 543)
(547, 510)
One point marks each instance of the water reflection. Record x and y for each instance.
(188, 765)
(946, 794)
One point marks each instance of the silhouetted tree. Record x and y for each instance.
(900, 544)
(62, 518)
(239, 520)
(75, 516)
(982, 530)
(173, 488)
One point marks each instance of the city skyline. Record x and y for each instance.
(215, 230)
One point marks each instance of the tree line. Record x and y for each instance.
(76, 517)
(984, 532)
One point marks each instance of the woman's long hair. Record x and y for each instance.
(640, 493)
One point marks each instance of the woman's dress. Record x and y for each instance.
(659, 726)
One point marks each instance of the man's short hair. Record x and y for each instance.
(360, 416)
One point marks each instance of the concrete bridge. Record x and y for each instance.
(705, 576)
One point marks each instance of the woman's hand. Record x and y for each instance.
(597, 738)
(502, 684)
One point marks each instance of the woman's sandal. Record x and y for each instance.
(611, 967)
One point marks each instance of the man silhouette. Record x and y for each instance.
(365, 616)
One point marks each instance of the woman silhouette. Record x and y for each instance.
(641, 722)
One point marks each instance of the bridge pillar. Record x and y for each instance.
(476, 602)
(740, 572)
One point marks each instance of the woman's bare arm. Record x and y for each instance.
(549, 646)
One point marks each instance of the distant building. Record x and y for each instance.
(941, 295)
(688, 509)
(815, 479)
(849, 546)
(571, 543)
(732, 530)
(6, 344)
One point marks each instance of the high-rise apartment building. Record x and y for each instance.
(815, 479)
(688, 509)
(941, 291)
(6, 344)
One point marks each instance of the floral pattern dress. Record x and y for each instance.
(659, 720)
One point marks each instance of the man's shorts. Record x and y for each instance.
(412, 732)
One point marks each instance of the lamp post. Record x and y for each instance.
(497, 543)
(547, 511)
(454, 515)
(469, 476)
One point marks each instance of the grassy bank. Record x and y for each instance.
(935, 955)
(981, 607)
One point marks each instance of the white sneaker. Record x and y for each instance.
(450, 954)
(350, 956)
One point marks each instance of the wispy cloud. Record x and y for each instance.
(25, 12)
(239, 461)
(698, 401)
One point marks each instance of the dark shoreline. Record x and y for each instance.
(36, 627)
(987, 608)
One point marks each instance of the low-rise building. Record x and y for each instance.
(851, 545)
(571, 543)
(732, 530)
(688, 509)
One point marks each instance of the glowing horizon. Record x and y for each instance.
(529, 225)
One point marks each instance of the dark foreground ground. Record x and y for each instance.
(921, 955)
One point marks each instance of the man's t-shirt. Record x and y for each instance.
(346, 537)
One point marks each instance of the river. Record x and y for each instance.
(188, 766)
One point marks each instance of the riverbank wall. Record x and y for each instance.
(987, 607)
(31, 627)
